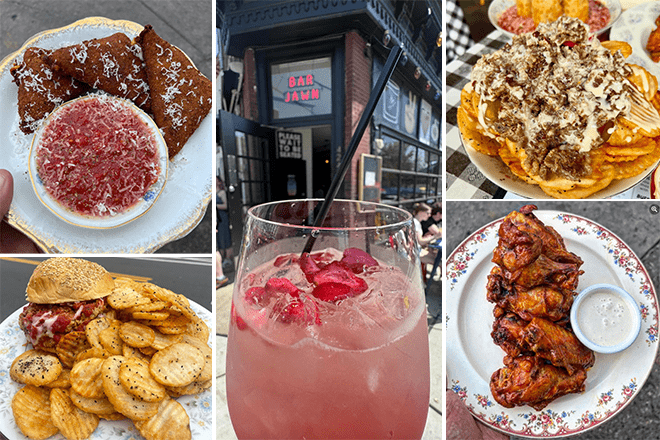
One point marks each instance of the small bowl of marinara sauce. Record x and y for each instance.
(98, 162)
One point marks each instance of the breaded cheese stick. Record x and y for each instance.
(111, 64)
(524, 8)
(546, 11)
(577, 8)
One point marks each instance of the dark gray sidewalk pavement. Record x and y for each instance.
(637, 223)
(185, 23)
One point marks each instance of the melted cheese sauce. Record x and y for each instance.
(97, 157)
(605, 318)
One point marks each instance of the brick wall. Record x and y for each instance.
(357, 88)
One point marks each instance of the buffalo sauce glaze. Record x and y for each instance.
(97, 157)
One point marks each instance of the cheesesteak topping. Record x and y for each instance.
(553, 92)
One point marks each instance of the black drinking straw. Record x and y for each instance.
(378, 89)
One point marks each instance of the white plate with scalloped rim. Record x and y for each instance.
(12, 343)
(178, 210)
(634, 27)
(472, 357)
(500, 174)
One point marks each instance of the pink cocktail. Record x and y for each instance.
(331, 344)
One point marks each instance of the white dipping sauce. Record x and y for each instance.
(605, 318)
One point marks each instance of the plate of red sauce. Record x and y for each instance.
(503, 14)
(173, 210)
(98, 162)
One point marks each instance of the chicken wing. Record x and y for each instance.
(545, 271)
(558, 345)
(523, 238)
(529, 380)
(653, 43)
(543, 301)
(508, 333)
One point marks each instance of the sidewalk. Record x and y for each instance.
(433, 430)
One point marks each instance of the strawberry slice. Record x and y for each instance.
(285, 259)
(357, 259)
(256, 296)
(332, 292)
(322, 258)
(300, 312)
(240, 323)
(275, 286)
(337, 273)
(308, 266)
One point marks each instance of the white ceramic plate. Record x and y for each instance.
(497, 7)
(498, 173)
(110, 221)
(13, 342)
(472, 356)
(634, 27)
(178, 210)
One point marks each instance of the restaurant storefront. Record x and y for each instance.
(306, 72)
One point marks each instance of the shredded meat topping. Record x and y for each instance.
(552, 91)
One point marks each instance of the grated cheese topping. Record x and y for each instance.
(97, 157)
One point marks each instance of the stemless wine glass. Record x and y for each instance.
(332, 344)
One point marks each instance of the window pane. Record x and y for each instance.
(408, 158)
(421, 187)
(258, 193)
(302, 88)
(434, 164)
(243, 168)
(422, 161)
(256, 146)
(434, 187)
(241, 148)
(388, 149)
(245, 187)
(256, 170)
(390, 186)
(407, 187)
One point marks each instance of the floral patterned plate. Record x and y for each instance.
(472, 356)
(13, 342)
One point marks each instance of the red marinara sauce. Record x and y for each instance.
(97, 156)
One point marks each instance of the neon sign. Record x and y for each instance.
(304, 94)
(301, 88)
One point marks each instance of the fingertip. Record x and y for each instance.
(6, 191)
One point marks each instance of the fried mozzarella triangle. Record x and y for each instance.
(181, 94)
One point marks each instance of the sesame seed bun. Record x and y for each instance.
(62, 279)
